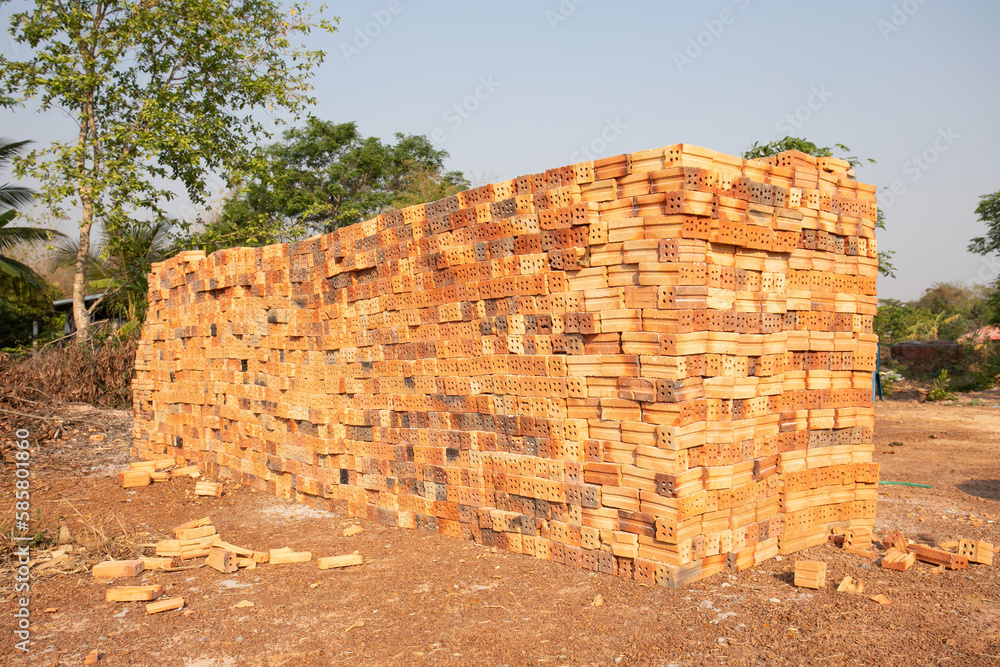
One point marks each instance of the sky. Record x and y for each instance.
(520, 86)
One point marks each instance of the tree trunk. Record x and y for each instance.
(81, 318)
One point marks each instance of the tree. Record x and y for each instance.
(757, 151)
(327, 175)
(989, 213)
(17, 280)
(162, 94)
(121, 272)
(929, 329)
(804, 146)
(895, 319)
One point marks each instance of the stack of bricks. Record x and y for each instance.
(655, 365)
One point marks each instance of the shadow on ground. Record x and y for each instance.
(981, 488)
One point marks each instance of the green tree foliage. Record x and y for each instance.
(895, 319)
(323, 176)
(758, 151)
(120, 271)
(18, 315)
(18, 281)
(804, 146)
(945, 311)
(162, 93)
(971, 303)
(989, 213)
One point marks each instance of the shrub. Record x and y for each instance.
(98, 372)
(940, 388)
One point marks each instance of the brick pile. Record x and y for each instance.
(655, 365)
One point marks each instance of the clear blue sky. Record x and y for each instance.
(537, 84)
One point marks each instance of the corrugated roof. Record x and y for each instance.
(67, 302)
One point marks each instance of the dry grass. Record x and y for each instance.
(96, 539)
(33, 396)
(36, 387)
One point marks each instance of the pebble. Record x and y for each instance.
(866, 566)
(774, 600)
(723, 615)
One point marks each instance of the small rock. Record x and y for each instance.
(705, 604)
(774, 600)
(598, 601)
(723, 615)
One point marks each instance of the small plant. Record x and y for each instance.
(941, 388)
(40, 540)
(888, 380)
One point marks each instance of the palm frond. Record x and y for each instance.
(13, 196)
(129, 328)
(18, 279)
(11, 149)
(11, 237)
(65, 252)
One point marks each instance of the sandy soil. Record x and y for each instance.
(426, 599)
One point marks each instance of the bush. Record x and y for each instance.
(16, 319)
(941, 388)
(978, 366)
(99, 372)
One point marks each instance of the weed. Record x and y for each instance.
(941, 388)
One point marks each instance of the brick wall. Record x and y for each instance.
(655, 365)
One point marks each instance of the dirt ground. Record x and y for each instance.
(426, 599)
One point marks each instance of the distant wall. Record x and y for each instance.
(655, 365)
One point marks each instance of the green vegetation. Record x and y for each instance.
(323, 176)
(25, 296)
(989, 213)
(946, 311)
(120, 271)
(18, 281)
(803, 146)
(940, 388)
(162, 93)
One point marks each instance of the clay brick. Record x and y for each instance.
(602, 351)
